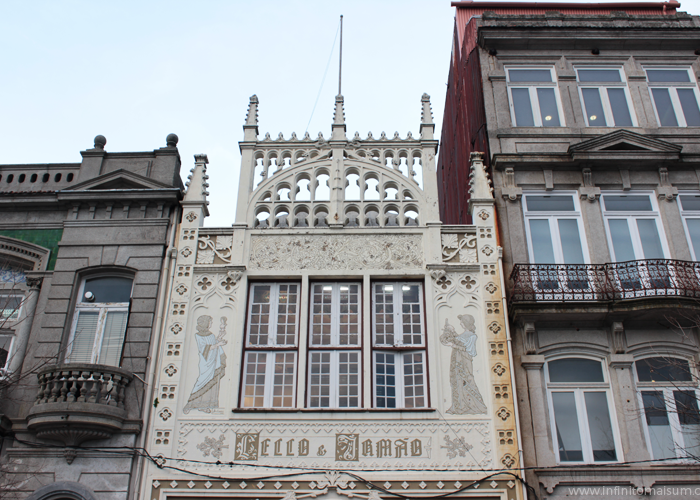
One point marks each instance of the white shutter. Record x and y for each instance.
(113, 338)
(84, 337)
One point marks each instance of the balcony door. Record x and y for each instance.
(637, 241)
(556, 241)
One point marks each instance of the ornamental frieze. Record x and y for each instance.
(336, 252)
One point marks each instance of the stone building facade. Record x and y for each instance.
(590, 125)
(337, 341)
(82, 256)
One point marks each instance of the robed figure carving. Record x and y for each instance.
(212, 364)
(466, 399)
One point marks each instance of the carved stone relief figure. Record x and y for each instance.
(466, 399)
(212, 364)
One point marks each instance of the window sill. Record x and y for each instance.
(332, 410)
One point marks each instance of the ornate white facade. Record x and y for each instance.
(338, 340)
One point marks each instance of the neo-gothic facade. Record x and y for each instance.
(338, 340)
(589, 121)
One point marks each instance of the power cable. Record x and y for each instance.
(324, 77)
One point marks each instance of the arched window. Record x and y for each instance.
(580, 403)
(668, 392)
(99, 322)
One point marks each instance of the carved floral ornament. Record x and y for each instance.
(209, 248)
(458, 248)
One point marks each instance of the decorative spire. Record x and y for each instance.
(427, 127)
(251, 120)
(197, 181)
(339, 120)
(479, 182)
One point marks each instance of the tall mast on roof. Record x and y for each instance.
(340, 62)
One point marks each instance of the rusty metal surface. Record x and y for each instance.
(605, 282)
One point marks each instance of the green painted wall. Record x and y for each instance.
(47, 238)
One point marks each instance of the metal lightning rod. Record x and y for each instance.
(340, 64)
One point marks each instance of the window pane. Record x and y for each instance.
(287, 315)
(689, 418)
(658, 425)
(321, 315)
(575, 370)
(541, 241)
(110, 289)
(113, 338)
(594, 107)
(550, 203)
(566, 420)
(84, 337)
(694, 233)
(668, 75)
(627, 203)
(284, 379)
(349, 329)
(651, 243)
(5, 343)
(530, 75)
(599, 75)
(522, 108)
(689, 103)
(620, 109)
(385, 380)
(10, 306)
(570, 241)
(320, 380)
(621, 240)
(414, 380)
(254, 381)
(548, 107)
(662, 100)
(411, 315)
(690, 202)
(663, 370)
(349, 379)
(384, 314)
(599, 426)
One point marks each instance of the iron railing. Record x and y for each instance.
(605, 282)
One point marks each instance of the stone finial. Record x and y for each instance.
(197, 181)
(171, 140)
(427, 127)
(100, 141)
(251, 120)
(479, 182)
(339, 120)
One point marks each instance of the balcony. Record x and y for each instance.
(634, 279)
(80, 402)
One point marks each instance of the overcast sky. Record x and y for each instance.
(135, 71)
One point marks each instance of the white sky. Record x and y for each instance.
(134, 71)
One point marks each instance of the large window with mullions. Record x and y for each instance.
(534, 97)
(335, 346)
(270, 349)
(398, 345)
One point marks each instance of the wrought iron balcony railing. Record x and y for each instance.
(605, 282)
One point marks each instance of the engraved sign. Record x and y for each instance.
(247, 446)
(346, 446)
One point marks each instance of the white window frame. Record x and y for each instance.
(335, 348)
(532, 90)
(607, 109)
(667, 389)
(689, 215)
(398, 322)
(633, 216)
(399, 369)
(673, 87)
(272, 347)
(579, 388)
(553, 217)
(399, 348)
(17, 313)
(103, 308)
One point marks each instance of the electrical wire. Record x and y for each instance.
(324, 79)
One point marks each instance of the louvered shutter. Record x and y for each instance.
(84, 337)
(113, 338)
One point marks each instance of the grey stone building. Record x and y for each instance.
(589, 123)
(82, 248)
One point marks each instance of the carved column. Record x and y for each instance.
(24, 326)
(538, 409)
